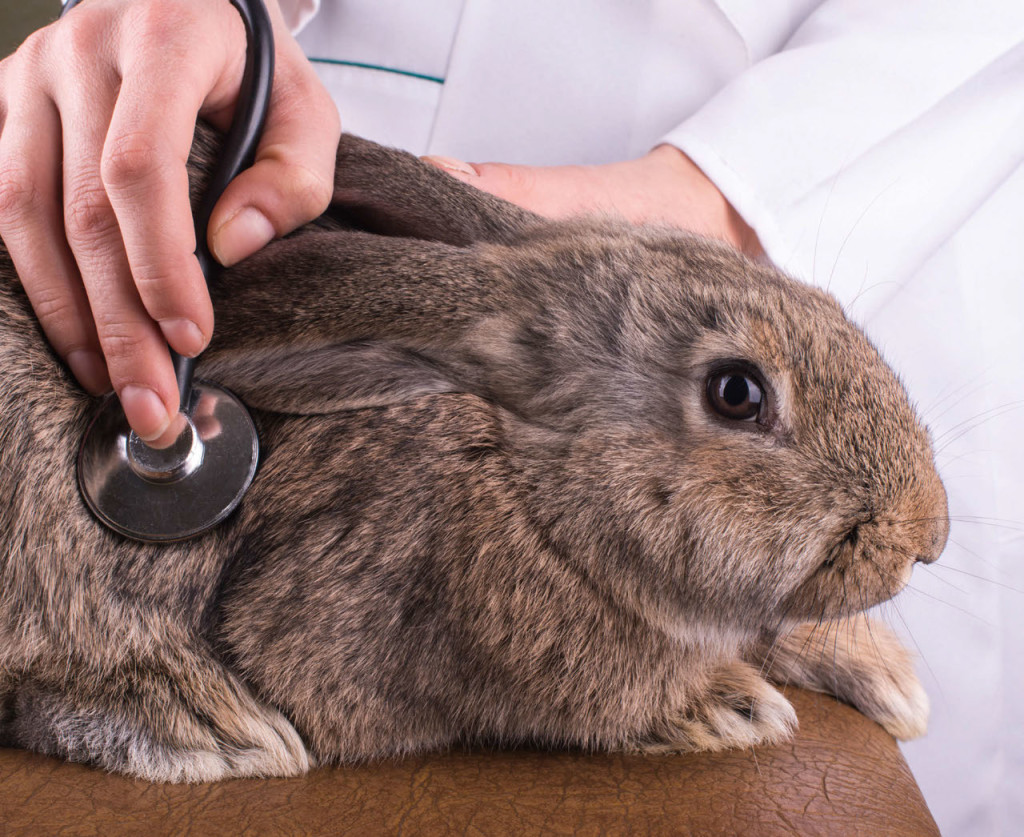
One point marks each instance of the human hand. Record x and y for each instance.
(664, 186)
(97, 113)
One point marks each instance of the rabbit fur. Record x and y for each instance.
(493, 505)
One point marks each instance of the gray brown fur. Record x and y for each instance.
(493, 505)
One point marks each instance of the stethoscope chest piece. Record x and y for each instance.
(177, 492)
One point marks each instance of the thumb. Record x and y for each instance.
(292, 179)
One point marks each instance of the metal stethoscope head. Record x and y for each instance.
(189, 487)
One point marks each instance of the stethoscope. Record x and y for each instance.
(195, 483)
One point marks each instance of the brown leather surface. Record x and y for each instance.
(842, 775)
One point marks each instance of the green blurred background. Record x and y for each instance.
(19, 17)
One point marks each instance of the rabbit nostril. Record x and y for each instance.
(930, 556)
(933, 540)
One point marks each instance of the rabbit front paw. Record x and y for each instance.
(895, 699)
(861, 662)
(736, 709)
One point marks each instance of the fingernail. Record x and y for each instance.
(452, 165)
(183, 336)
(145, 411)
(241, 235)
(89, 370)
(170, 433)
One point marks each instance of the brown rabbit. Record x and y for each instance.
(578, 484)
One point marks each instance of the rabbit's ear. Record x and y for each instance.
(389, 192)
(328, 379)
(334, 320)
(369, 305)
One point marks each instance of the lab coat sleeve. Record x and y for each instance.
(871, 136)
(297, 13)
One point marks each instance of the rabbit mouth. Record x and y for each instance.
(860, 569)
(844, 552)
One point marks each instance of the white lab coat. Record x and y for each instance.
(875, 147)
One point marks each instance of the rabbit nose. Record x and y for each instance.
(938, 531)
(939, 535)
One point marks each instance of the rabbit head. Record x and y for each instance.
(724, 435)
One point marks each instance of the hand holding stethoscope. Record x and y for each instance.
(96, 120)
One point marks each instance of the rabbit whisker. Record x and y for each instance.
(776, 647)
(962, 428)
(973, 553)
(821, 221)
(995, 522)
(977, 520)
(879, 656)
(960, 393)
(886, 577)
(1009, 587)
(918, 592)
(849, 235)
(917, 646)
(949, 583)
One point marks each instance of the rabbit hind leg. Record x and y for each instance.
(150, 726)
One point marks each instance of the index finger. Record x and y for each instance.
(145, 177)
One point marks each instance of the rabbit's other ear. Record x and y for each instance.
(313, 381)
(390, 192)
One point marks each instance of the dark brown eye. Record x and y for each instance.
(735, 394)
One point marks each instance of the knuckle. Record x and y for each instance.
(54, 309)
(308, 193)
(161, 285)
(19, 191)
(162, 20)
(129, 158)
(88, 215)
(33, 48)
(300, 92)
(79, 37)
(151, 278)
(120, 341)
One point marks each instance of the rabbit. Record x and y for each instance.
(562, 483)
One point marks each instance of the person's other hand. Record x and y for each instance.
(663, 187)
(97, 113)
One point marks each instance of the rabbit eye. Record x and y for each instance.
(735, 394)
